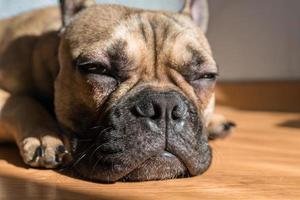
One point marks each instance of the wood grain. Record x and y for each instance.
(261, 160)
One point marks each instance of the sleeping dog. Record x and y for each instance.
(116, 93)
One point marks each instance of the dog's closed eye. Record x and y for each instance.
(92, 68)
(206, 76)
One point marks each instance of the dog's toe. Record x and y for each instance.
(47, 152)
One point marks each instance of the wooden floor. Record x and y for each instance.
(261, 160)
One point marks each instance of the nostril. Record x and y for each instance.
(179, 112)
(144, 110)
(138, 111)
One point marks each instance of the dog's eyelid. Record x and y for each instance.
(86, 63)
(84, 60)
(215, 72)
(208, 69)
(206, 75)
(90, 66)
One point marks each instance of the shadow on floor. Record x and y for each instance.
(12, 188)
(293, 123)
(6, 152)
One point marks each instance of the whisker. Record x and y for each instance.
(86, 153)
(96, 127)
(81, 156)
(94, 167)
(104, 131)
(96, 149)
(78, 160)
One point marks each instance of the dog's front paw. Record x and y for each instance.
(219, 127)
(47, 151)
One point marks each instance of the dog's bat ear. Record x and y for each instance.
(69, 8)
(198, 10)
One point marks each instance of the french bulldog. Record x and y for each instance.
(115, 93)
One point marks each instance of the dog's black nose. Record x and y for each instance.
(168, 107)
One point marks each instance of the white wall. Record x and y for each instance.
(256, 39)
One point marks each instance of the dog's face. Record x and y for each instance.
(133, 88)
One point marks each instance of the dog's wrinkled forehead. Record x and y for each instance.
(135, 32)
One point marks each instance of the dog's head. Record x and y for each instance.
(133, 88)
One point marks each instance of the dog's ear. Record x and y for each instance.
(69, 8)
(198, 10)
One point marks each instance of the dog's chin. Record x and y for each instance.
(160, 167)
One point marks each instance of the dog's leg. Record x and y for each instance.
(217, 125)
(35, 132)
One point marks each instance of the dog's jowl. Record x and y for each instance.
(114, 93)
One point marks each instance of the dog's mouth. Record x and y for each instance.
(140, 157)
(151, 136)
(162, 166)
(141, 166)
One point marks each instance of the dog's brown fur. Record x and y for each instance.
(36, 69)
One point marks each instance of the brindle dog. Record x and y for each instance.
(126, 94)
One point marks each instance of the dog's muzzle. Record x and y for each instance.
(149, 135)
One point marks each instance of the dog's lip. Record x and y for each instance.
(164, 165)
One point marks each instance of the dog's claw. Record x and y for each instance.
(62, 153)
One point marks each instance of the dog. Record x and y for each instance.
(115, 93)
